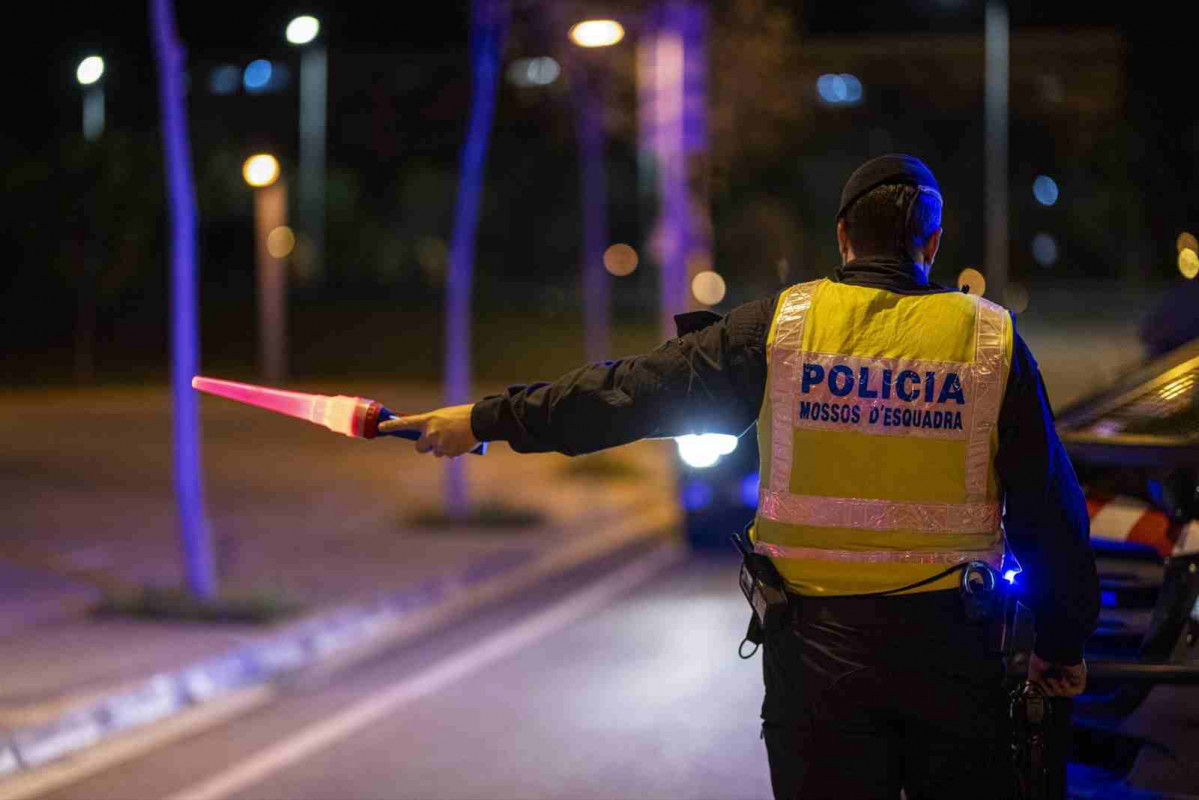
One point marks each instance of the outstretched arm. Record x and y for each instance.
(710, 380)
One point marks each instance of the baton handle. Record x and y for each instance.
(412, 436)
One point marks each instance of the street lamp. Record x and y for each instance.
(303, 32)
(261, 171)
(597, 33)
(88, 73)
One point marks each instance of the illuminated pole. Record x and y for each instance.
(488, 22)
(589, 108)
(189, 489)
(88, 73)
(996, 147)
(314, 81)
(672, 103)
(270, 214)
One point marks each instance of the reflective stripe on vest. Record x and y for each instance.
(855, 394)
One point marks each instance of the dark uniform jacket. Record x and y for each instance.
(712, 380)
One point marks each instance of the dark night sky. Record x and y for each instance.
(49, 95)
(57, 35)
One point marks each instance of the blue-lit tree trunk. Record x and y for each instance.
(488, 22)
(189, 488)
(672, 84)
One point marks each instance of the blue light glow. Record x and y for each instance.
(1108, 599)
(853, 88)
(224, 79)
(839, 90)
(257, 75)
(697, 495)
(1044, 249)
(1010, 575)
(831, 88)
(1044, 188)
(749, 489)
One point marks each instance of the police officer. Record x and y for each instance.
(903, 429)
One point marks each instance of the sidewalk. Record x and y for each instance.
(294, 510)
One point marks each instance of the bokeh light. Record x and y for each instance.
(973, 281)
(1044, 249)
(748, 489)
(302, 260)
(708, 288)
(1188, 263)
(280, 242)
(543, 71)
(257, 75)
(1187, 241)
(620, 259)
(89, 70)
(260, 170)
(1044, 188)
(224, 79)
(597, 33)
(839, 90)
(534, 71)
(432, 255)
(1015, 298)
(302, 30)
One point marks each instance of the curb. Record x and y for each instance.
(36, 758)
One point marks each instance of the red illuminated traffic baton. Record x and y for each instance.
(357, 417)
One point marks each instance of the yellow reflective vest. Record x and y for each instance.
(877, 437)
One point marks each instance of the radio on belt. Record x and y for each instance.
(762, 586)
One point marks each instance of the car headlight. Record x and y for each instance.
(701, 450)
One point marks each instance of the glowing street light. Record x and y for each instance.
(90, 70)
(273, 242)
(597, 33)
(88, 73)
(1188, 263)
(260, 170)
(302, 30)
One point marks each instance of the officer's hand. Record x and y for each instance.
(1058, 680)
(444, 432)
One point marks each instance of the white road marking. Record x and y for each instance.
(370, 709)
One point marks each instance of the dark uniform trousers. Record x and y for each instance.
(868, 696)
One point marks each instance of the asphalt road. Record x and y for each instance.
(620, 680)
(640, 695)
